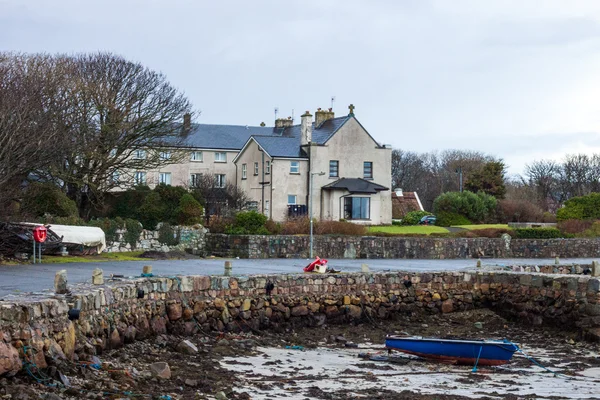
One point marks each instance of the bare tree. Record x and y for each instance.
(31, 137)
(544, 176)
(217, 199)
(121, 118)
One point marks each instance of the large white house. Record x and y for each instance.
(349, 170)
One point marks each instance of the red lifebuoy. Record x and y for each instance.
(40, 233)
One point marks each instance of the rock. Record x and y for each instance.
(69, 343)
(187, 347)
(299, 311)
(9, 359)
(115, 339)
(447, 306)
(160, 370)
(191, 382)
(341, 339)
(220, 396)
(52, 396)
(188, 314)
(97, 277)
(60, 282)
(174, 311)
(355, 312)
(247, 304)
(478, 325)
(436, 297)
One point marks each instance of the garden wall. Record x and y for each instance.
(190, 239)
(129, 310)
(280, 246)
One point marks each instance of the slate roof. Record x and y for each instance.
(281, 146)
(233, 137)
(355, 185)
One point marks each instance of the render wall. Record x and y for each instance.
(251, 185)
(285, 184)
(129, 310)
(351, 145)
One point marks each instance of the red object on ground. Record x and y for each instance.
(318, 261)
(40, 233)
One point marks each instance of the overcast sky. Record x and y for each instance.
(516, 79)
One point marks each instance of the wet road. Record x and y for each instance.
(40, 277)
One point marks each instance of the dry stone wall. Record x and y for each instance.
(191, 239)
(297, 246)
(128, 310)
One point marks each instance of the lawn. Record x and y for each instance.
(125, 256)
(414, 229)
(482, 226)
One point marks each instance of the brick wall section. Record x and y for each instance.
(114, 315)
(281, 246)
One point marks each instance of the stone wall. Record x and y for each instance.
(297, 246)
(129, 310)
(191, 239)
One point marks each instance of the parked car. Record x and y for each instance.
(428, 220)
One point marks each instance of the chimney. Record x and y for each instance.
(322, 116)
(306, 128)
(187, 123)
(284, 122)
(398, 192)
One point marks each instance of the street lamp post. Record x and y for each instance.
(310, 214)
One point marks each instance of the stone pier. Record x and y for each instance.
(120, 312)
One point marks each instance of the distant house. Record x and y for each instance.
(349, 170)
(405, 202)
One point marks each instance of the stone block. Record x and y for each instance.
(60, 282)
(10, 363)
(187, 347)
(97, 277)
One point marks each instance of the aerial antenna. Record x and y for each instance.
(276, 112)
(292, 115)
(332, 101)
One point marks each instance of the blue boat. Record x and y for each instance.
(454, 351)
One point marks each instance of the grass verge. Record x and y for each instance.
(413, 229)
(125, 256)
(482, 226)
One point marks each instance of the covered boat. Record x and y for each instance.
(455, 351)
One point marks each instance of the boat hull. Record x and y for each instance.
(465, 352)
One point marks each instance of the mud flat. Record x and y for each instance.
(322, 363)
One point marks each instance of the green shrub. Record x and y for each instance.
(190, 211)
(109, 226)
(478, 207)
(45, 198)
(413, 217)
(127, 203)
(584, 207)
(171, 198)
(249, 223)
(395, 222)
(151, 212)
(167, 235)
(450, 219)
(539, 233)
(134, 230)
(73, 220)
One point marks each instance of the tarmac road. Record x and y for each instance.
(16, 279)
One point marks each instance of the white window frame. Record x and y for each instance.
(221, 156)
(244, 171)
(294, 167)
(165, 177)
(140, 177)
(256, 168)
(115, 177)
(220, 180)
(267, 167)
(165, 155)
(295, 199)
(139, 154)
(195, 177)
(337, 168)
(196, 156)
(266, 211)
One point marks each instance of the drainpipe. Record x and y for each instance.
(262, 185)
